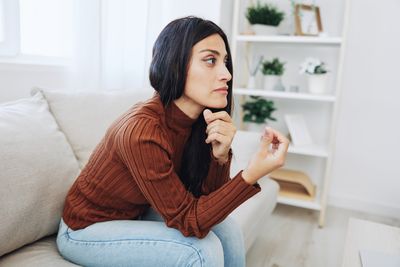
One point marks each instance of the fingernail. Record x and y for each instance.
(206, 113)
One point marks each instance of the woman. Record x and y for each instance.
(171, 153)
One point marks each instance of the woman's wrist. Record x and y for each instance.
(248, 177)
(222, 159)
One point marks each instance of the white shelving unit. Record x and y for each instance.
(241, 45)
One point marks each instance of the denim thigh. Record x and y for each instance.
(228, 232)
(149, 242)
(137, 243)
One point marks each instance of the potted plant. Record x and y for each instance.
(257, 111)
(273, 71)
(264, 19)
(317, 75)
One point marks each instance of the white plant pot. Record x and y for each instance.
(270, 81)
(317, 83)
(251, 83)
(261, 29)
(255, 127)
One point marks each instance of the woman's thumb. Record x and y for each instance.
(207, 113)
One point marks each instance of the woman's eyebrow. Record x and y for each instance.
(212, 51)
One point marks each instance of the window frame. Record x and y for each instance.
(10, 46)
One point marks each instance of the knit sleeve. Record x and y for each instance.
(218, 174)
(145, 150)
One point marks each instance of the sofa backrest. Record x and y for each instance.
(85, 116)
(37, 167)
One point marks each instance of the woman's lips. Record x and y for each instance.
(222, 90)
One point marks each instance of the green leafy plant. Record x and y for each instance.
(258, 110)
(274, 67)
(266, 14)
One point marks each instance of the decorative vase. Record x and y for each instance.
(271, 81)
(255, 127)
(279, 86)
(261, 29)
(317, 83)
(251, 82)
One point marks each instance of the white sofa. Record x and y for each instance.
(44, 142)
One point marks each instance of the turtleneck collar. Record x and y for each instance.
(176, 118)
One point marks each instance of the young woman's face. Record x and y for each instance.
(208, 76)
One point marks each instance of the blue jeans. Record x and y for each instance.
(149, 242)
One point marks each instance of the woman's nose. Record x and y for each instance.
(225, 74)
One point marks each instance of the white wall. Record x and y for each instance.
(366, 174)
(16, 80)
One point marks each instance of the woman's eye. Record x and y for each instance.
(211, 61)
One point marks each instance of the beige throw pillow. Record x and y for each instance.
(37, 169)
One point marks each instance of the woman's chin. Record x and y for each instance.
(221, 103)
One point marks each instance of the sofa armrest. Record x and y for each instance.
(253, 214)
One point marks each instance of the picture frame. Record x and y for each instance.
(307, 20)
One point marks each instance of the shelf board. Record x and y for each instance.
(284, 95)
(290, 39)
(313, 205)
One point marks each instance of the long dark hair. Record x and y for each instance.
(168, 71)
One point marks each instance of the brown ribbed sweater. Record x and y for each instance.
(135, 166)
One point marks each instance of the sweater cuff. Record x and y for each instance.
(255, 186)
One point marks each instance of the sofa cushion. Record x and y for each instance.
(42, 253)
(37, 168)
(85, 116)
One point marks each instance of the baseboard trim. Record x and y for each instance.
(352, 203)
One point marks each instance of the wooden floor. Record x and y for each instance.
(292, 238)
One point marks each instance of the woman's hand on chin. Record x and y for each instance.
(220, 132)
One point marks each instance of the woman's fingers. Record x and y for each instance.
(282, 145)
(219, 124)
(279, 137)
(219, 138)
(221, 127)
(271, 138)
(266, 140)
(220, 115)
